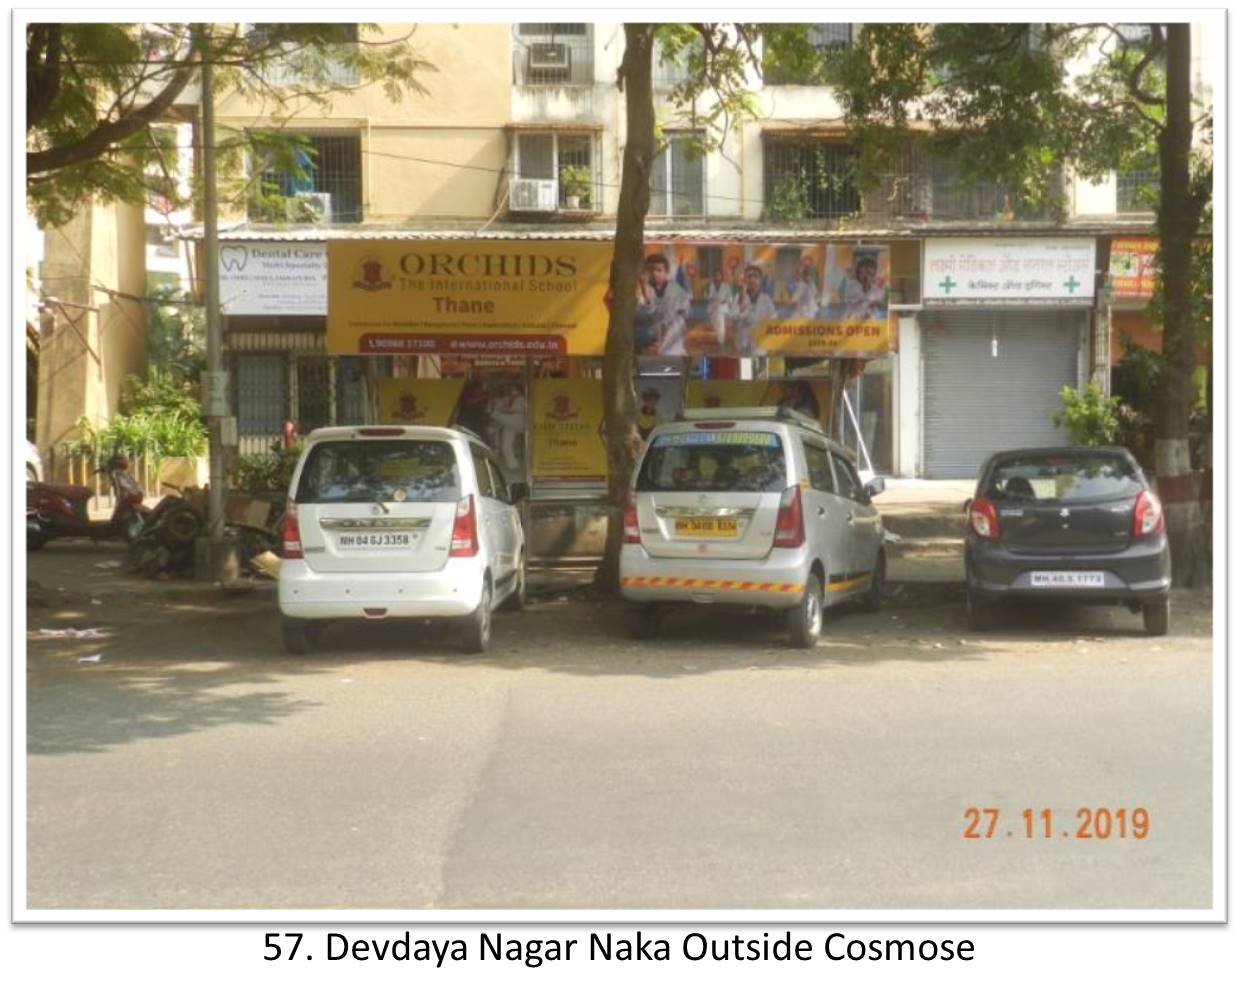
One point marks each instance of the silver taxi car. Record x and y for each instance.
(398, 521)
(749, 506)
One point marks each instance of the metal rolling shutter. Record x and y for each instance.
(975, 403)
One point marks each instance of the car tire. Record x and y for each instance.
(477, 625)
(516, 600)
(871, 601)
(35, 540)
(979, 613)
(297, 636)
(644, 621)
(804, 621)
(1156, 617)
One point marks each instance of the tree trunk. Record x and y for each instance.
(1178, 221)
(619, 395)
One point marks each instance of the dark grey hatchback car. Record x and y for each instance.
(1075, 524)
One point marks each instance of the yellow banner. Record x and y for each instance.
(810, 397)
(567, 432)
(418, 402)
(540, 297)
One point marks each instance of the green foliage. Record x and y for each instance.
(1089, 417)
(176, 332)
(267, 472)
(95, 93)
(159, 417)
(576, 181)
(789, 199)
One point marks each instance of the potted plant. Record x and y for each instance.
(576, 183)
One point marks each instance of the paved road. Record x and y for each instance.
(196, 766)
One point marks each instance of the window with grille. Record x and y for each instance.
(260, 394)
(677, 180)
(326, 186)
(286, 67)
(1139, 190)
(545, 156)
(823, 37)
(810, 179)
(313, 398)
(553, 55)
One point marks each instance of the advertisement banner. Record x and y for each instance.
(418, 402)
(1011, 271)
(1132, 266)
(567, 433)
(809, 397)
(273, 278)
(758, 299)
(657, 401)
(540, 297)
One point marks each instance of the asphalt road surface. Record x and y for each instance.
(194, 765)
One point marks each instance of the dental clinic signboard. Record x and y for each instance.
(273, 278)
(983, 272)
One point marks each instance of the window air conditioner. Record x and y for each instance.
(534, 195)
(550, 60)
(312, 207)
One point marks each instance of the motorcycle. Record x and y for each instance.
(165, 542)
(54, 511)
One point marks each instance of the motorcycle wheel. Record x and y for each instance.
(179, 526)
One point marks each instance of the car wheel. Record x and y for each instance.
(804, 621)
(644, 621)
(979, 613)
(1156, 617)
(296, 635)
(477, 626)
(516, 600)
(871, 601)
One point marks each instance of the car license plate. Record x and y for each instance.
(375, 541)
(707, 527)
(1068, 579)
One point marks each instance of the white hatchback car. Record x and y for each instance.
(392, 521)
(749, 506)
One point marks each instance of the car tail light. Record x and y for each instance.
(292, 533)
(631, 525)
(1148, 519)
(982, 517)
(789, 529)
(464, 529)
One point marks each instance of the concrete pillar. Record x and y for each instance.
(908, 394)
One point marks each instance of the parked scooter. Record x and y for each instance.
(54, 511)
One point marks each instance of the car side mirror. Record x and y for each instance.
(875, 486)
(517, 492)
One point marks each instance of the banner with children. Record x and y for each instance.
(759, 299)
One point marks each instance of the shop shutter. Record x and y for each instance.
(975, 403)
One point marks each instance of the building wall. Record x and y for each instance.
(94, 339)
(437, 154)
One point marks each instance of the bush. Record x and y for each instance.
(267, 472)
(1090, 418)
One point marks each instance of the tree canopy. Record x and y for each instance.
(96, 94)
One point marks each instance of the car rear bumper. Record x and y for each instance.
(1140, 572)
(454, 590)
(775, 581)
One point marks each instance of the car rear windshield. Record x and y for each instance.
(1063, 478)
(714, 460)
(379, 470)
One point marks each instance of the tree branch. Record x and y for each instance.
(107, 133)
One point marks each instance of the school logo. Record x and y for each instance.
(561, 409)
(371, 273)
(407, 409)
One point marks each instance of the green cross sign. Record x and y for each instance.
(1071, 284)
(947, 285)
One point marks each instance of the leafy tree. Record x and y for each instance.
(1004, 102)
(1090, 418)
(95, 94)
(176, 328)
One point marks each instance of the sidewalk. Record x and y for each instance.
(925, 523)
